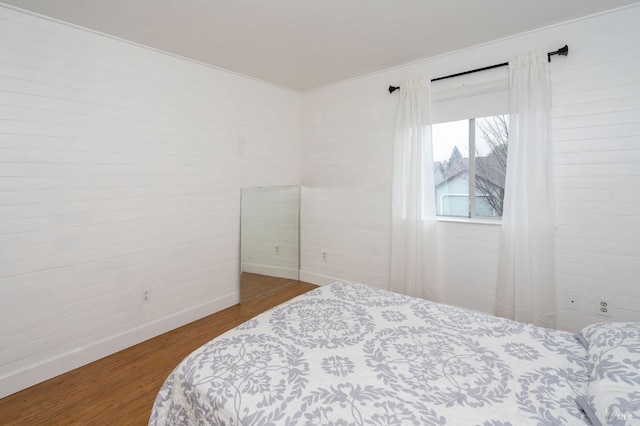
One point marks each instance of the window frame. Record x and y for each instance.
(472, 216)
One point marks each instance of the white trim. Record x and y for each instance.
(318, 279)
(23, 378)
(272, 271)
(475, 220)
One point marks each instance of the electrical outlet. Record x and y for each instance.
(572, 301)
(277, 251)
(603, 308)
(146, 295)
(324, 256)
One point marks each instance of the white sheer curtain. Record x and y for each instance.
(413, 264)
(526, 270)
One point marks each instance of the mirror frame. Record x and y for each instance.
(255, 284)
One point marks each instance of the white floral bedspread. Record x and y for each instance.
(349, 354)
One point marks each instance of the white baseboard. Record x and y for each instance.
(272, 271)
(318, 279)
(28, 376)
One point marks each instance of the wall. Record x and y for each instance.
(120, 174)
(347, 161)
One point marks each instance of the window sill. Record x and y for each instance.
(475, 220)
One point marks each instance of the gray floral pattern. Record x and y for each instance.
(321, 324)
(521, 351)
(410, 360)
(613, 392)
(338, 366)
(346, 354)
(367, 296)
(545, 389)
(394, 316)
(469, 322)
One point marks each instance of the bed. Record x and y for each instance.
(348, 354)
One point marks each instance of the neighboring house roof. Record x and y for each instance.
(489, 169)
(449, 177)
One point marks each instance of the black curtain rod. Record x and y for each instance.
(564, 51)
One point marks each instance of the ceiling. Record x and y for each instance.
(302, 44)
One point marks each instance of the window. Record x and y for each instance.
(470, 157)
(470, 128)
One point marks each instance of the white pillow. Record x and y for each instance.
(613, 392)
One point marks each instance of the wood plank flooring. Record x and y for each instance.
(120, 389)
(255, 285)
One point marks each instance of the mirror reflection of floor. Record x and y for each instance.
(255, 285)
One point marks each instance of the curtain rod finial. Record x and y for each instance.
(393, 88)
(564, 51)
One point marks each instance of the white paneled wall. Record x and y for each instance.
(346, 185)
(597, 163)
(346, 173)
(120, 173)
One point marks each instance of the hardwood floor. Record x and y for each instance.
(120, 389)
(255, 285)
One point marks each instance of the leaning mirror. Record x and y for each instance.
(269, 239)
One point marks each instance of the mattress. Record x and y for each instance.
(350, 354)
